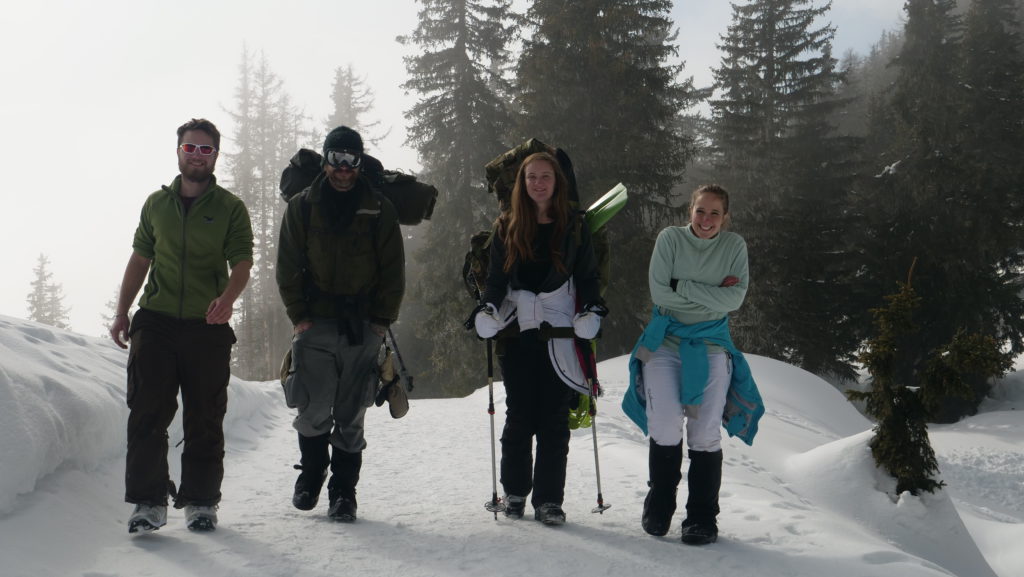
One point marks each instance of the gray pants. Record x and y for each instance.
(332, 382)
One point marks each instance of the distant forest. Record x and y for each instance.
(843, 169)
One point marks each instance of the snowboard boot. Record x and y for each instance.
(314, 463)
(342, 487)
(703, 482)
(665, 463)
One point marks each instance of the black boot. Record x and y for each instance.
(342, 486)
(315, 459)
(665, 465)
(703, 481)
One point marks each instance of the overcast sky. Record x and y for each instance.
(93, 92)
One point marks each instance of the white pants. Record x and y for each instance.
(666, 413)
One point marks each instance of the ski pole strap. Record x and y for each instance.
(589, 365)
(490, 360)
(469, 323)
(401, 362)
(587, 352)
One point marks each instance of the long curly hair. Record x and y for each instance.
(519, 224)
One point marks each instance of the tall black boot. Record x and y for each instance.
(315, 459)
(665, 463)
(703, 481)
(342, 486)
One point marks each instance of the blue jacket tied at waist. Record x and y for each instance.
(743, 408)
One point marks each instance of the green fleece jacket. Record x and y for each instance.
(353, 271)
(191, 252)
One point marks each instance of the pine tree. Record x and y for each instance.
(111, 314)
(866, 80)
(595, 79)
(456, 125)
(943, 195)
(902, 404)
(353, 100)
(777, 150)
(900, 445)
(993, 143)
(268, 131)
(952, 373)
(46, 300)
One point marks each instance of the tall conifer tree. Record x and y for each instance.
(353, 100)
(46, 299)
(456, 125)
(993, 145)
(595, 79)
(942, 195)
(267, 132)
(777, 150)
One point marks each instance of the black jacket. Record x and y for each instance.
(577, 255)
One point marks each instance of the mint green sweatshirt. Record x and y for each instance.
(700, 265)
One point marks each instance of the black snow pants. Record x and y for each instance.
(166, 355)
(537, 405)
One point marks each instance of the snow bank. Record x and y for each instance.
(62, 404)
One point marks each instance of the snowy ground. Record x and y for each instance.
(805, 500)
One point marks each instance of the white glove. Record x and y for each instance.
(487, 322)
(587, 323)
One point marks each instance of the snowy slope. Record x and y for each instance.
(805, 500)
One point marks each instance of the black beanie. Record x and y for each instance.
(343, 138)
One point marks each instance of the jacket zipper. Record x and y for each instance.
(184, 253)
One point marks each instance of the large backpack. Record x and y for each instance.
(501, 178)
(413, 200)
(501, 171)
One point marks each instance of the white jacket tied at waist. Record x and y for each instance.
(556, 308)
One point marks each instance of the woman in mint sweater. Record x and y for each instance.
(686, 375)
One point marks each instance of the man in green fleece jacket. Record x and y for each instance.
(341, 275)
(195, 242)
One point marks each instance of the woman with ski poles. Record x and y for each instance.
(541, 264)
(685, 372)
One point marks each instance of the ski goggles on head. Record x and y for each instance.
(204, 149)
(343, 158)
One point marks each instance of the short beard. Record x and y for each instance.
(195, 174)
(335, 185)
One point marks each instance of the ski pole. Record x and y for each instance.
(495, 504)
(601, 506)
(594, 386)
(401, 363)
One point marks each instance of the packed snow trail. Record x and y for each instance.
(424, 483)
(805, 500)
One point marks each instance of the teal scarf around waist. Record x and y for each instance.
(744, 406)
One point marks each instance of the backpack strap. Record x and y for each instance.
(309, 288)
